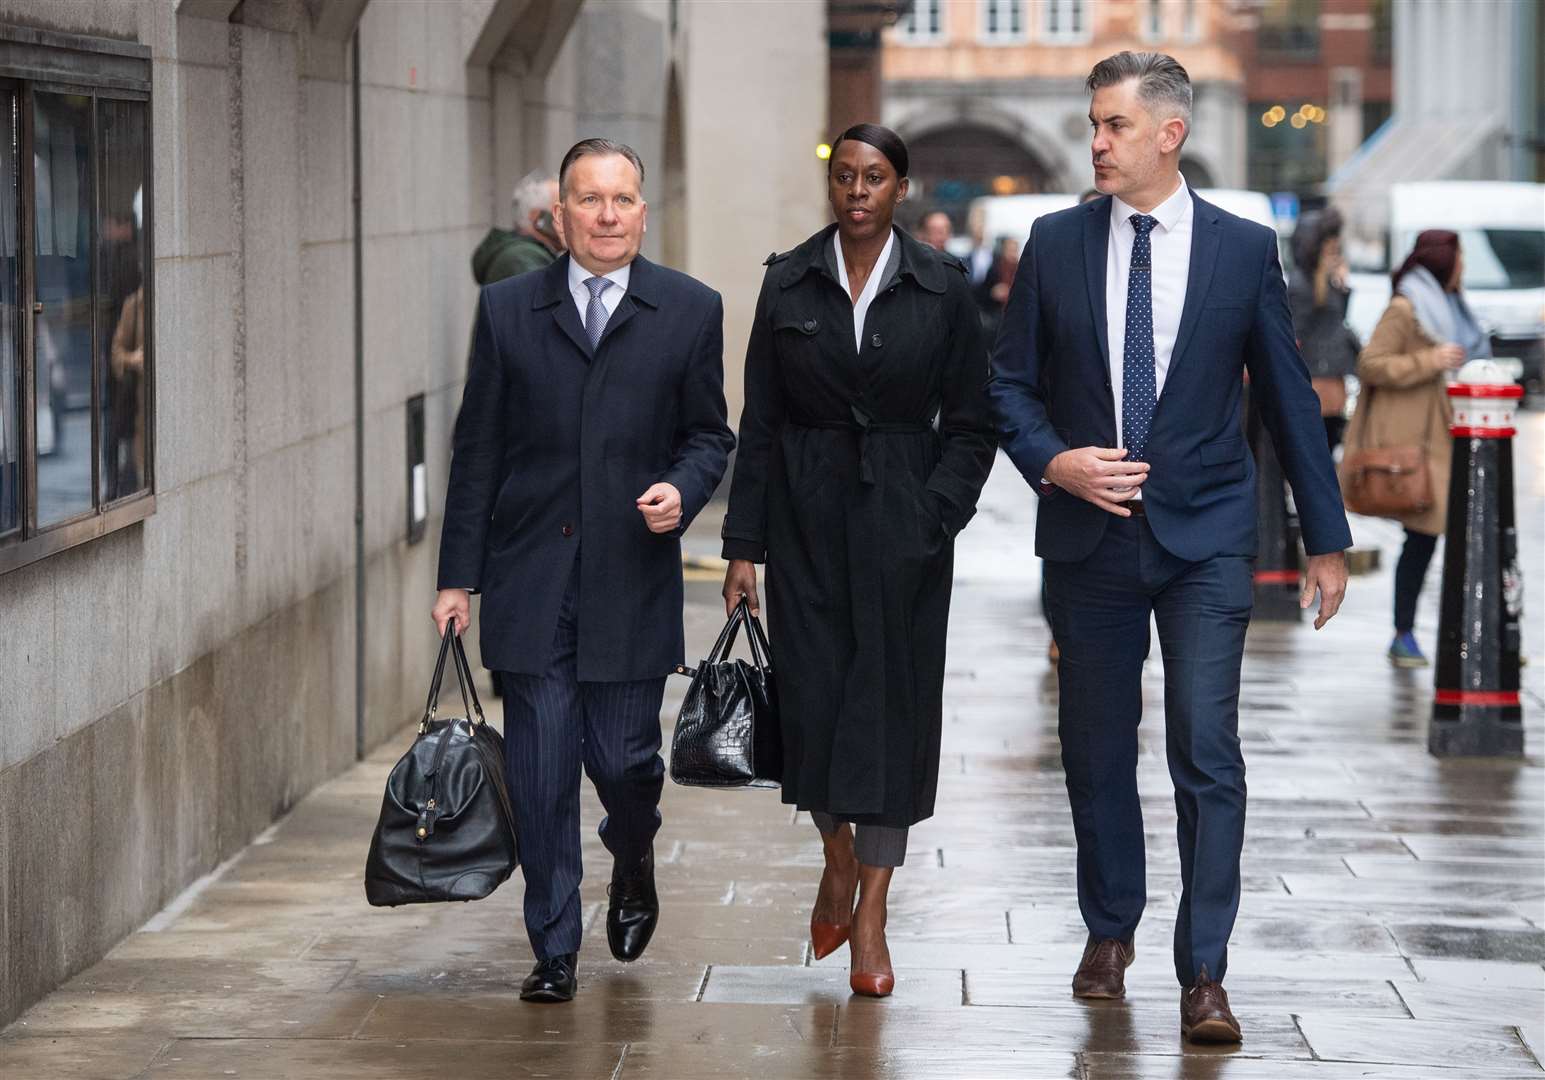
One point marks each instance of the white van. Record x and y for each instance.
(1012, 215)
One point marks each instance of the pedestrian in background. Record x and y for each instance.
(532, 244)
(1427, 331)
(979, 261)
(993, 291)
(1117, 380)
(847, 491)
(592, 430)
(935, 230)
(1318, 295)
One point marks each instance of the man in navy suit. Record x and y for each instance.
(1131, 327)
(592, 431)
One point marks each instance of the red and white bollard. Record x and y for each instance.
(1475, 708)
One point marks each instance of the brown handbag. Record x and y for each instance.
(1386, 481)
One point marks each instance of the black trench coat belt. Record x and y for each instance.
(866, 427)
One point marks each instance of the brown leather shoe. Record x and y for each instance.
(1102, 971)
(1204, 1013)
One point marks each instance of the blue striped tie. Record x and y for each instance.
(1139, 395)
(595, 311)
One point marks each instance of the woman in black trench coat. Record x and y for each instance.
(852, 497)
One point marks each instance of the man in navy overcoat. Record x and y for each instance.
(1132, 325)
(591, 432)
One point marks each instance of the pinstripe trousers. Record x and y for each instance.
(553, 724)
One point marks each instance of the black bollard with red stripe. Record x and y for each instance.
(1475, 707)
(1277, 567)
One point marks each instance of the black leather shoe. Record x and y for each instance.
(634, 910)
(552, 980)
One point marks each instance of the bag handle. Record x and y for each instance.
(761, 651)
(726, 641)
(464, 676)
(450, 643)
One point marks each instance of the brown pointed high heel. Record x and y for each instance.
(876, 984)
(826, 938)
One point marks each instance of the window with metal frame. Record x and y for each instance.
(922, 24)
(76, 355)
(1064, 22)
(1003, 21)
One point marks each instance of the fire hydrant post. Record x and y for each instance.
(1476, 707)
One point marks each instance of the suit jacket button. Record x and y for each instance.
(809, 326)
(875, 341)
(568, 530)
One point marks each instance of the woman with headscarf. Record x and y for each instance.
(852, 496)
(1318, 295)
(1426, 332)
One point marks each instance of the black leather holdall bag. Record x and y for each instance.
(728, 733)
(446, 830)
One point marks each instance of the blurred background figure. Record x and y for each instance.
(532, 243)
(1318, 295)
(993, 292)
(980, 259)
(1426, 332)
(936, 230)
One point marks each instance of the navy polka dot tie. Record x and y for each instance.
(1138, 387)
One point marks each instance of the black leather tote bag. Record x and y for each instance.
(728, 734)
(446, 830)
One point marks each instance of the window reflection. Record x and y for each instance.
(10, 360)
(62, 271)
(121, 298)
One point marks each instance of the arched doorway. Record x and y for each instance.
(954, 164)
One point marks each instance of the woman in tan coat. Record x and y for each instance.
(1426, 332)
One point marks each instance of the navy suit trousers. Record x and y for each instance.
(554, 724)
(1100, 610)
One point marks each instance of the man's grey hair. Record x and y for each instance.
(597, 146)
(1162, 84)
(531, 193)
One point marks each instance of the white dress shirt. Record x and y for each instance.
(611, 297)
(871, 287)
(1170, 241)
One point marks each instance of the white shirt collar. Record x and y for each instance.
(578, 275)
(871, 287)
(1168, 213)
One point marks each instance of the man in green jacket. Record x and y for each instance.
(532, 244)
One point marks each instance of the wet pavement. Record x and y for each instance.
(1392, 923)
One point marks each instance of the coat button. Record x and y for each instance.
(809, 326)
(568, 530)
(875, 341)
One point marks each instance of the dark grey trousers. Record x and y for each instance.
(874, 845)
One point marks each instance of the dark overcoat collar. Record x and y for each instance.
(643, 288)
(918, 261)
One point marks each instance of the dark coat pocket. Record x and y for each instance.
(1224, 459)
